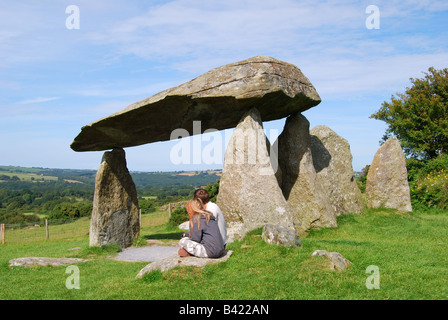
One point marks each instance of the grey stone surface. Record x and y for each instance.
(115, 214)
(249, 195)
(176, 261)
(184, 225)
(337, 261)
(218, 99)
(332, 161)
(43, 261)
(280, 236)
(147, 253)
(308, 200)
(387, 181)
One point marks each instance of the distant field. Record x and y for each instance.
(29, 176)
(157, 179)
(195, 173)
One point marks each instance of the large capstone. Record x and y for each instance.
(249, 195)
(309, 201)
(332, 160)
(218, 98)
(115, 214)
(387, 181)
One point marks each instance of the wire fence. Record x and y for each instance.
(45, 230)
(68, 229)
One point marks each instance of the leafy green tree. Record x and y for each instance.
(146, 206)
(419, 117)
(178, 216)
(64, 210)
(213, 190)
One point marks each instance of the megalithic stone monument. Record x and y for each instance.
(332, 160)
(249, 194)
(309, 201)
(115, 214)
(219, 98)
(387, 181)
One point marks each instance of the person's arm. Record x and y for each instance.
(186, 234)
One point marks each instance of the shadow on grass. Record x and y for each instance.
(165, 236)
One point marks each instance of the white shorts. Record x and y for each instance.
(194, 248)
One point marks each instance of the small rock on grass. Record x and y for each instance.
(337, 260)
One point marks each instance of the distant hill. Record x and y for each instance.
(159, 179)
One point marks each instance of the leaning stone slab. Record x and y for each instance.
(249, 194)
(307, 198)
(177, 261)
(115, 214)
(43, 261)
(387, 181)
(218, 99)
(332, 160)
(280, 236)
(337, 261)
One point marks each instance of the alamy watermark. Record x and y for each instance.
(373, 281)
(373, 20)
(72, 281)
(251, 147)
(73, 21)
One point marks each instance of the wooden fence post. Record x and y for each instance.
(47, 234)
(169, 210)
(2, 227)
(139, 222)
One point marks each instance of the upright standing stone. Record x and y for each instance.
(309, 202)
(249, 195)
(115, 214)
(333, 164)
(387, 181)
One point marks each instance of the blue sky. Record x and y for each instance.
(54, 80)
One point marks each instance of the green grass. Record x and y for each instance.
(410, 251)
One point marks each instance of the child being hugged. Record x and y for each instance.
(204, 239)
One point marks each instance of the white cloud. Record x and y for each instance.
(328, 39)
(192, 29)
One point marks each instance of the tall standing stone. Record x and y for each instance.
(387, 181)
(115, 214)
(309, 202)
(332, 160)
(249, 195)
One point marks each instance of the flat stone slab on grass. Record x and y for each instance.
(176, 261)
(43, 261)
(150, 253)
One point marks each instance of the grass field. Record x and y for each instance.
(409, 250)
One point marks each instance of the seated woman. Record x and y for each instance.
(204, 239)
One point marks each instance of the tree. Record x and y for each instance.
(419, 117)
(213, 190)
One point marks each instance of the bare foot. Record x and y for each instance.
(183, 253)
